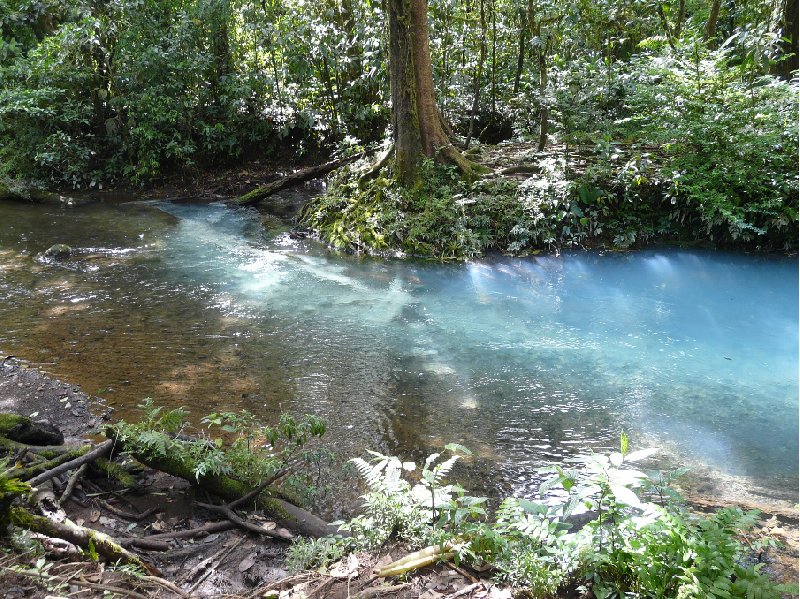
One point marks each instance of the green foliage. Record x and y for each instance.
(251, 451)
(630, 547)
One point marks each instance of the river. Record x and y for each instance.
(526, 361)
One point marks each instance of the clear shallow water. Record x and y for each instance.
(525, 361)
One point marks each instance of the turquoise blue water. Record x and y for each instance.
(525, 361)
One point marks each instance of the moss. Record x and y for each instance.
(12, 422)
(115, 471)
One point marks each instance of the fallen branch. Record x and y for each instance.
(384, 590)
(101, 450)
(276, 533)
(85, 538)
(465, 591)
(200, 531)
(38, 468)
(127, 515)
(307, 174)
(283, 512)
(73, 480)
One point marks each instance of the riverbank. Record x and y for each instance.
(220, 561)
(225, 561)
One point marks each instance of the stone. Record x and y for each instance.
(59, 251)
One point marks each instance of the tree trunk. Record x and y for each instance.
(523, 36)
(416, 123)
(478, 77)
(681, 17)
(543, 110)
(788, 45)
(710, 30)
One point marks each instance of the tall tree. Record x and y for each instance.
(417, 125)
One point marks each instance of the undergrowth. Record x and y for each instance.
(639, 541)
(621, 204)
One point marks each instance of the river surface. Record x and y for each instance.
(525, 361)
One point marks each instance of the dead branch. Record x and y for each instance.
(307, 174)
(283, 512)
(78, 535)
(275, 533)
(99, 451)
(200, 531)
(73, 480)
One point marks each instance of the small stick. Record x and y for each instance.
(103, 587)
(73, 480)
(463, 572)
(278, 533)
(465, 591)
(127, 515)
(201, 531)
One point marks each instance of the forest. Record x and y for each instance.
(618, 123)
(531, 332)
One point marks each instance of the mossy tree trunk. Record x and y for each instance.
(417, 125)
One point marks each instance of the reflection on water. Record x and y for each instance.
(526, 361)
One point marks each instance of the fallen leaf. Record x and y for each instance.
(248, 562)
(94, 515)
(345, 568)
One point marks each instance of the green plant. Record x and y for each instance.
(251, 451)
(630, 546)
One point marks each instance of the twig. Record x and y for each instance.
(465, 591)
(167, 585)
(201, 531)
(73, 480)
(104, 587)
(463, 572)
(127, 515)
(102, 449)
(222, 557)
(257, 491)
(277, 533)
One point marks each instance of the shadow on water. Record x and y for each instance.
(525, 361)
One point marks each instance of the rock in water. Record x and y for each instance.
(59, 251)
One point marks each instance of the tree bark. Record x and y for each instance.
(416, 122)
(523, 36)
(710, 30)
(787, 48)
(478, 76)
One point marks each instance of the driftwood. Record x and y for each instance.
(307, 174)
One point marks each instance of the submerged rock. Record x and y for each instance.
(59, 251)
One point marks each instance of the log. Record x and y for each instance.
(78, 535)
(283, 512)
(252, 198)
